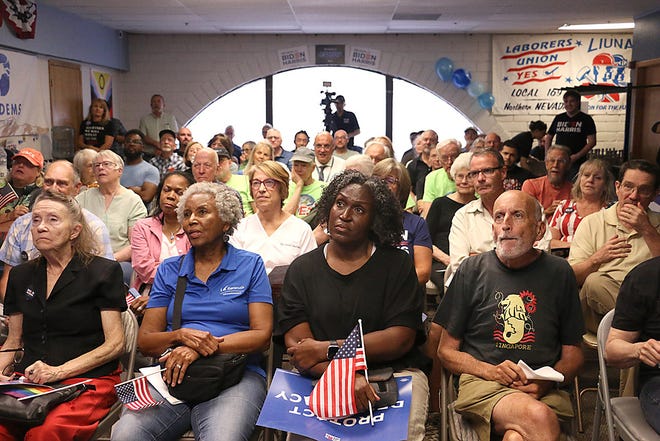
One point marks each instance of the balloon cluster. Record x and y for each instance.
(462, 79)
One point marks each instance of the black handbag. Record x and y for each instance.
(33, 412)
(206, 377)
(384, 383)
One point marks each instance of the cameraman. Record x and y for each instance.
(345, 120)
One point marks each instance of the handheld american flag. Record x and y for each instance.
(7, 194)
(135, 394)
(132, 295)
(334, 394)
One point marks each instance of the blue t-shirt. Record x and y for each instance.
(138, 174)
(219, 306)
(415, 233)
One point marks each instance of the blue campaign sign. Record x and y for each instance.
(286, 409)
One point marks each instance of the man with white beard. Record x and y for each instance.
(514, 303)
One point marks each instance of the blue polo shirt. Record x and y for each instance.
(219, 306)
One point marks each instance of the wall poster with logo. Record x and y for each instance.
(529, 71)
(101, 87)
(24, 100)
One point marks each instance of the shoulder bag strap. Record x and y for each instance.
(181, 283)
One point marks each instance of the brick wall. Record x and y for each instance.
(192, 70)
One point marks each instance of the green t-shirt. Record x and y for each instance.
(438, 184)
(308, 198)
(241, 184)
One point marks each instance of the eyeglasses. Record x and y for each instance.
(643, 191)
(391, 180)
(268, 183)
(460, 177)
(8, 371)
(486, 172)
(104, 164)
(447, 158)
(322, 147)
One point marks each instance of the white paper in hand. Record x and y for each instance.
(156, 381)
(542, 373)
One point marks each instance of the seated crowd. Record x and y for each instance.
(362, 234)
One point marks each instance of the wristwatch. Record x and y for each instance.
(332, 349)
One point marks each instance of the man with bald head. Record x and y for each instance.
(282, 156)
(439, 183)
(327, 165)
(205, 165)
(493, 141)
(18, 247)
(505, 305)
(184, 136)
(419, 167)
(377, 151)
(341, 145)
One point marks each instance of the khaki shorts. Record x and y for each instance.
(477, 398)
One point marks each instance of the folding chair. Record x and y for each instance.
(624, 413)
(459, 428)
(130, 323)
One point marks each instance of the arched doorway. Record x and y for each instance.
(296, 97)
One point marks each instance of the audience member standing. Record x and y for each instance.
(345, 120)
(574, 129)
(152, 124)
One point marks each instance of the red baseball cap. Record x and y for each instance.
(33, 156)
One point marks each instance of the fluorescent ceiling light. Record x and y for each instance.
(596, 26)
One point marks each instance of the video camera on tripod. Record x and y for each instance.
(327, 110)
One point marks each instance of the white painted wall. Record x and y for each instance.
(191, 71)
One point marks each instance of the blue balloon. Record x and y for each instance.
(486, 100)
(444, 68)
(461, 78)
(475, 89)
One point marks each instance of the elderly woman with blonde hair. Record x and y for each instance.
(277, 236)
(118, 207)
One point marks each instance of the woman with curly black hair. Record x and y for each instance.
(358, 274)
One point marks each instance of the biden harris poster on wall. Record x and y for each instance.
(24, 95)
(529, 71)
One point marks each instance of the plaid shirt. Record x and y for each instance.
(164, 166)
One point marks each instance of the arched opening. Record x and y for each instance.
(296, 97)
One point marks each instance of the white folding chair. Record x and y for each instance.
(622, 413)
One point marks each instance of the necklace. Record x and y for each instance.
(171, 233)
